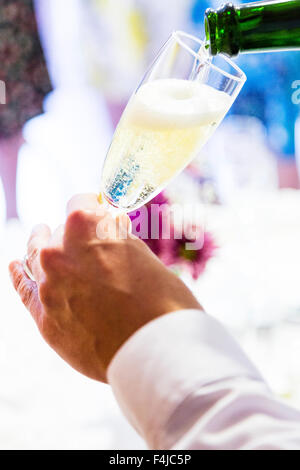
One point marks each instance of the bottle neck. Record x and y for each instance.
(254, 27)
(222, 30)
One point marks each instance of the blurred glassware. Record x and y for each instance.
(238, 158)
(257, 269)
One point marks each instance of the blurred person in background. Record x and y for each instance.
(24, 72)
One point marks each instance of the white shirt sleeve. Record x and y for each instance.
(184, 383)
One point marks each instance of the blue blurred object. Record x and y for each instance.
(198, 10)
(267, 93)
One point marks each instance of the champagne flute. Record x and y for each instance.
(182, 99)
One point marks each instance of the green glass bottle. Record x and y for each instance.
(253, 27)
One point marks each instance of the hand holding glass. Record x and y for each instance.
(180, 102)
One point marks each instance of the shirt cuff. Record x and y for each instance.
(167, 360)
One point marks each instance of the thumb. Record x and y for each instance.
(26, 288)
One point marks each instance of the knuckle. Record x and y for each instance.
(111, 245)
(80, 226)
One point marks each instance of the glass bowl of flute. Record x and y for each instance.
(181, 100)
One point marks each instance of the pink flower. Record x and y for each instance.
(194, 260)
(145, 227)
(173, 251)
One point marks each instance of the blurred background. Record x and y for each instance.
(69, 69)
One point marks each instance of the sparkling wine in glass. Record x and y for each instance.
(182, 99)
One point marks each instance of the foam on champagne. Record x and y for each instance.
(175, 103)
